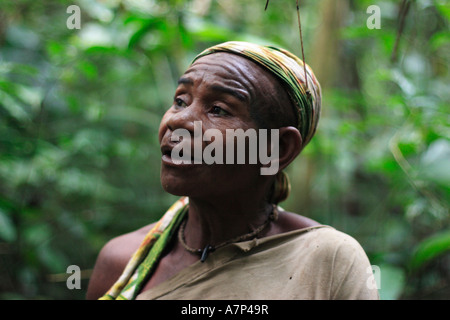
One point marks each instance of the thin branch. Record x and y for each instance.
(301, 42)
(404, 8)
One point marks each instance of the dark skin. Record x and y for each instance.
(225, 201)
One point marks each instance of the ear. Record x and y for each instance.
(291, 145)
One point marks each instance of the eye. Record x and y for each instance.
(179, 103)
(219, 111)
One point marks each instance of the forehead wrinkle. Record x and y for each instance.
(239, 71)
(240, 94)
(221, 85)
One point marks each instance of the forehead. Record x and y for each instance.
(222, 62)
(230, 69)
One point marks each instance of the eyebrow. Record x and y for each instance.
(230, 91)
(226, 90)
(185, 81)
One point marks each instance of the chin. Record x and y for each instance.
(179, 186)
(174, 190)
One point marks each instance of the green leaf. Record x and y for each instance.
(53, 259)
(392, 281)
(434, 162)
(443, 7)
(431, 248)
(13, 108)
(88, 69)
(37, 234)
(439, 39)
(7, 228)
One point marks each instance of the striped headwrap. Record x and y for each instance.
(289, 69)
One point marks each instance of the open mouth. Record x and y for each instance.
(167, 152)
(177, 157)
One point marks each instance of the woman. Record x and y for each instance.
(226, 238)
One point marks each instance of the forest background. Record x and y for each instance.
(80, 110)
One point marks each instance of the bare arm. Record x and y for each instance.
(112, 260)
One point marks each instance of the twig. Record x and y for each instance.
(301, 42)
(404, 8)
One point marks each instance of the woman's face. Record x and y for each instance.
(214, 93)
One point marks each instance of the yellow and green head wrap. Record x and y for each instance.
(300, 83)
(290, 70)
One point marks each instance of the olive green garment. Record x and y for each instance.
(312, 263)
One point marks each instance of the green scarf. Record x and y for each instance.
(145, 259)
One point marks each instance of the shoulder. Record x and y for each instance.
(343, 258)
(112, 259)
(330, 239)
(289, 221)
(329, 244)
(325, 237)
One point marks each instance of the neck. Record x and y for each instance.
(214, 222)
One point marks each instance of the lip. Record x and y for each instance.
(166, 150)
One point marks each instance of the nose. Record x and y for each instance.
(183, 119)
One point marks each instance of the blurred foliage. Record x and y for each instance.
(80, 110)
